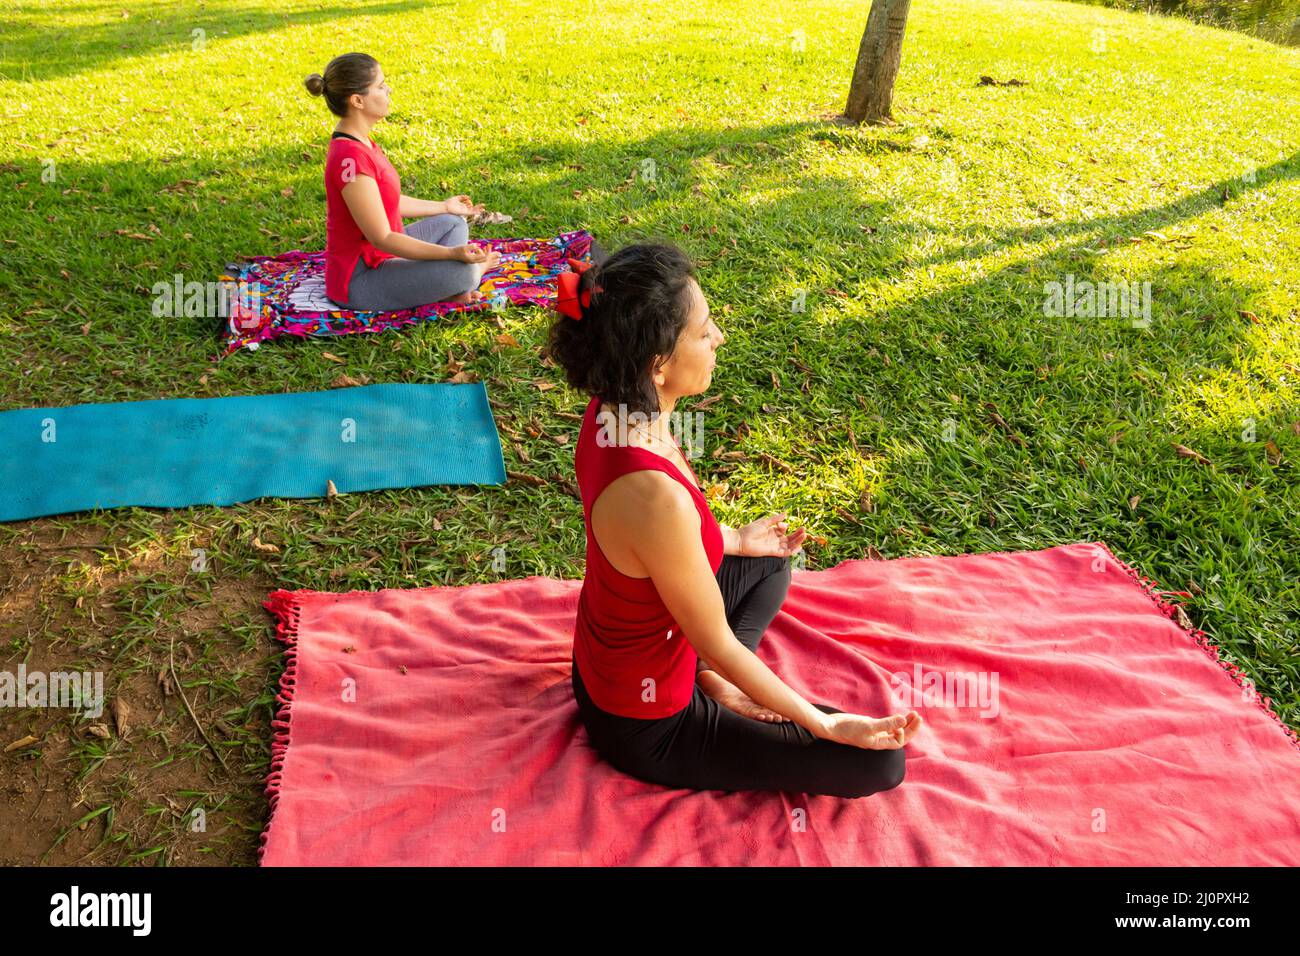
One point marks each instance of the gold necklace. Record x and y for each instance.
(654, 437)
(680, 457)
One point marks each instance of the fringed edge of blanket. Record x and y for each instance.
(286, 606)
(1176, 614)
(386, 322)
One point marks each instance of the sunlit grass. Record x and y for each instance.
(918, 255)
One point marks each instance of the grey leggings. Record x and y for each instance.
(397, 284)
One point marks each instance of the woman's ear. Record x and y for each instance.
(657, 370)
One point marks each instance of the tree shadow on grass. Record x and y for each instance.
(1120, 226)
(759, 231)
(241, 209)
(27, 53)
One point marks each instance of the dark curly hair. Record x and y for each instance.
(643, 304)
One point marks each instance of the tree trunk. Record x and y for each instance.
(872, 89)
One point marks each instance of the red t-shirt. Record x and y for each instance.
(624, 633)
(344, 241)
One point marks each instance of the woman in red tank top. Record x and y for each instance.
(673, 604)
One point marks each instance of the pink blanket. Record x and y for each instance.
(437, 727)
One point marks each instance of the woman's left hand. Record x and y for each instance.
(462, 206)
(769, 537)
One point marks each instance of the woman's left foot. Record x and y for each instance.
(733, 698)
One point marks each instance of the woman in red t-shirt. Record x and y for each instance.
(673, 605)
(373, 262)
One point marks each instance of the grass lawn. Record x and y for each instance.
(1138, 150)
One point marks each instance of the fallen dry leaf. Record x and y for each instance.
(522, 476)
(344, 380)
(489, 218)
(271, 548)
(21, 742)
(1001, 423)
(331, 491)
(121, 714)
(330, 356)
(1190, 453)
(775, 462)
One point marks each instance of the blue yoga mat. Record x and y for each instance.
(172, 453)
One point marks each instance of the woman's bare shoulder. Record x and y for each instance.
(643, 500)
(646, 487)
(641, 513)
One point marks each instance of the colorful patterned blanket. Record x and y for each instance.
(285, 294)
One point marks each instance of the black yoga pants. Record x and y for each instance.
(397, 284)
(706, 746)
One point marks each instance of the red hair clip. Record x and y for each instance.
(567, 299)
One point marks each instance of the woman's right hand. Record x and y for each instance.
(467, 253)
(871, 733)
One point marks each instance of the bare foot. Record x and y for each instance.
(467, 298)
(733, 698)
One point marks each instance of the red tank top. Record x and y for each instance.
(624, 636)
(345, 243)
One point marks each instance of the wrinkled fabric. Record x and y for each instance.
(285, 294)
(1115, 736)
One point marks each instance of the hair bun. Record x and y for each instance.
(315, 84)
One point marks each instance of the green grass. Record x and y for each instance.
(922, 251)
